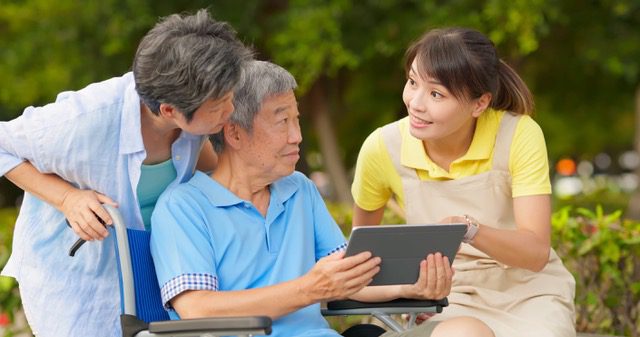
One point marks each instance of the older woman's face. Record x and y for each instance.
(274, 143)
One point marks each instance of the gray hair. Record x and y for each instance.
(187, 59)
(259, 81)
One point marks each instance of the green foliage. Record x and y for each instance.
(9, 296)
(601, 250)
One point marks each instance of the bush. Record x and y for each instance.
(9, 296)
(601, 251)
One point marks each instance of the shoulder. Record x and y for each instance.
(528, 132)
(297, 181)
(184, 194)
(526, 124)
(100, 92)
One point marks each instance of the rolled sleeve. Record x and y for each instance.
(16, 145)
(184, 282)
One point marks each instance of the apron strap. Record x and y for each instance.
(503, 141)
(392, 139)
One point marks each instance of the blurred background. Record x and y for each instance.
(580, 58)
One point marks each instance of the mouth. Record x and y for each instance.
(418, 122)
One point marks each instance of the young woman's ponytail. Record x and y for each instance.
(512, 94)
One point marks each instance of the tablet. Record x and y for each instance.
(402, 247)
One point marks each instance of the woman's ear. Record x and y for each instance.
(481, 104)
(168, 111)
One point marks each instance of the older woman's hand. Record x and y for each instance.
(434, 280)
(84, 212)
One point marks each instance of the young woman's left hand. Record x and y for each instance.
(434, 280)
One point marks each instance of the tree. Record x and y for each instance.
(347, 58)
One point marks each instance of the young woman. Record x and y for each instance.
(469, 152)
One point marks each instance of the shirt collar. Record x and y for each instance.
(281, 190)
(414, 155)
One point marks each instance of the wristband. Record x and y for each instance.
(472, 229)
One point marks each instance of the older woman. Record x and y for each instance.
(255, 237)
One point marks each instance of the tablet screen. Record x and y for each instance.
(402, 247)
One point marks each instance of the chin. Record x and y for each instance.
(417, 134)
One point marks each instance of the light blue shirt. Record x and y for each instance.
(206, 238)
(91, 138)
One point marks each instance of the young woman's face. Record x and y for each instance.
(434, 113)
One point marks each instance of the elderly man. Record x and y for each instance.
(254, 237)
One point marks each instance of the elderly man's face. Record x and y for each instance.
(275, 138)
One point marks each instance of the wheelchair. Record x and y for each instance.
(143, 314)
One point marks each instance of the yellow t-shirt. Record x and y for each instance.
(376, 179)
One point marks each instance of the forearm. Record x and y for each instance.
(273, 301)
(362, 217)
(517, 248)
(47, 187)
(378, 293)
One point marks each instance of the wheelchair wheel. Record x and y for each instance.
(364, 330)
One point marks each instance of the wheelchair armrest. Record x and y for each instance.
(256, 325)
(397, 306)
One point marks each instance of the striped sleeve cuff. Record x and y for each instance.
(340, 248)
(184, 282)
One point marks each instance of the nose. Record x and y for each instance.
(295, 134)
(415, 100)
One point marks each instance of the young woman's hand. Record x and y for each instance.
(434, 280)
(85, 214)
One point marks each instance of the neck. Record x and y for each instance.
(243, 180)
(158, 133)
(155, 124)
(446, 150)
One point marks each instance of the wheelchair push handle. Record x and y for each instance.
(76, 245)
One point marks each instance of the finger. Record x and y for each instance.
(355, 284)
(91, 225)
(441, 281)
(362, 268)
(348, 263)
(431, 274)
(448, 274)
(106, 200)
(102, 213)
(79, 231)
(422, 274)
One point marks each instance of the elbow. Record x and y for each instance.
(541, 260)
(188, 307)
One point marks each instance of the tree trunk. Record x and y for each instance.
(633, 209)
(321, 118)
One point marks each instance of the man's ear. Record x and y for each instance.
(481, 104)
(232, 135)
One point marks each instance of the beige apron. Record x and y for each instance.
(512, 301)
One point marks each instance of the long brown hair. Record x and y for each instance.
(467, 64)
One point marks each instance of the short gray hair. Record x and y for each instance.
(187, 59)
(259, 81)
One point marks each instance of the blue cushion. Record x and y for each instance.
(148, 302)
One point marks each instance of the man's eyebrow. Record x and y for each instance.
(281, 109)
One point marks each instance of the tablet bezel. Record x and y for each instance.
(402, 247)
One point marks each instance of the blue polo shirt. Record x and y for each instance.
(206, 238)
